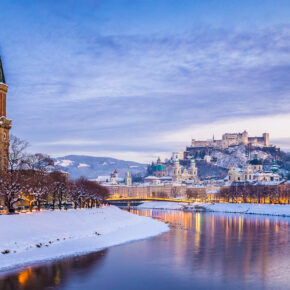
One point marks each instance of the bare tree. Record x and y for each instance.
(17, 153)
(40, 162)
(73, 193)
(12, 180)
(37, 187)
(58, 187)
(87, 193)
(11, 186)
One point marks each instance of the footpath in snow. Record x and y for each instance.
(247, 208)
(47, 235)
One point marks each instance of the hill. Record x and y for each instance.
(92, 167)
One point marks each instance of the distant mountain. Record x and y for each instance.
(92, 167)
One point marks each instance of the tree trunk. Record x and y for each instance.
(59, 204)
(11, 210)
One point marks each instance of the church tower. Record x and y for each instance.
(128, 178)
(5, 125)
(193, 169)
(176, 175)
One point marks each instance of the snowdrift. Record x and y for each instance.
(160, 205)
(247, 208)
(47, 235)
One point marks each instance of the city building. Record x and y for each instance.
(112, 179)
(180, 173)
(253, 172)
(5, 124)
(245, 174)
(147, 190)
(159, 169)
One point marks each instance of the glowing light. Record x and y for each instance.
(24, 276)
(197, 222)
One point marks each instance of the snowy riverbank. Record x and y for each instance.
(246, 208)
(47, 235)
(160, 205)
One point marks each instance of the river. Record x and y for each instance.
(202, 251)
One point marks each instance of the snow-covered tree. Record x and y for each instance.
(86, 193)
(58, 188)
(17, 153)
(37, 187)
(12, 184)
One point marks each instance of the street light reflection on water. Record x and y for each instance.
(233, 246)
(202, 250)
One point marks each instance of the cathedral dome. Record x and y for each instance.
(159, 167)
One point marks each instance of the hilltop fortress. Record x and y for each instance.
(234, 139)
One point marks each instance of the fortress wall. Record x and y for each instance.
(230, 139)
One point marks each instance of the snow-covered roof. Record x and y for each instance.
(213, 191)
(197, 186)
(103, 178)
(151, 177)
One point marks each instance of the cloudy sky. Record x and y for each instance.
(135, 79)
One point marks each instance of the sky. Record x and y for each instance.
(137, 79)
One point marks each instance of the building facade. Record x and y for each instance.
(183, 174)
(145, 190)
(5, 124)
(252, 174)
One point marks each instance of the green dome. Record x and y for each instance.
(159, 167)
(275, 167)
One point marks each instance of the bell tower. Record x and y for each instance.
(5, 124)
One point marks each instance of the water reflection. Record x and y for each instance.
(235, 247)
(53, 274)
(202, 251)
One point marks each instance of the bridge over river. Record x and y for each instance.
(135, 201)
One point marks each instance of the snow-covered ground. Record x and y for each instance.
(265, 209)
(161, 205)
(42, 236)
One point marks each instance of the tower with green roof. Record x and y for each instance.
(274, 167)
(159, 169)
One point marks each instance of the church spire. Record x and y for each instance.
(2, 76)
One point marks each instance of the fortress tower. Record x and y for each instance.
(266, 139)
(5, 124)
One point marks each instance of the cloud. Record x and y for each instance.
(79, 88)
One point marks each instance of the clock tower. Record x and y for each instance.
(5, 124)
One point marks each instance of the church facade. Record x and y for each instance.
(5, 124)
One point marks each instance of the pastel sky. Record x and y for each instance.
(137, 79)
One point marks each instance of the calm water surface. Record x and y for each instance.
(202, 251)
